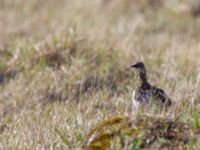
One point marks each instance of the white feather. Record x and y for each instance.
(135, 103)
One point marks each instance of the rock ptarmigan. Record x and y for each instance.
(146, 93)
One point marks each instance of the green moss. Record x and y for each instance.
(144, 132)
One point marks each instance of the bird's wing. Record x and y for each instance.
(161, 95)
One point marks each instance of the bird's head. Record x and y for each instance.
(139, 66)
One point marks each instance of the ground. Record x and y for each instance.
(65, 70)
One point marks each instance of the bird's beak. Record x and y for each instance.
(134, 65)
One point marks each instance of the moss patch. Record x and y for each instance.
(143, 132)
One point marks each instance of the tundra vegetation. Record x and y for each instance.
(66, 82)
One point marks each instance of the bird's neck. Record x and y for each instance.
(143, 76)
(143, 83)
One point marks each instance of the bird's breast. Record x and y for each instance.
(143, 96)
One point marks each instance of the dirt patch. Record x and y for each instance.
(51, 56)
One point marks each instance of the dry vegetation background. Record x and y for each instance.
(64, 66)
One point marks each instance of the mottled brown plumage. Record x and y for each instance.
(145, 92)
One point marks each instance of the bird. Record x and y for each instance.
(146, 93)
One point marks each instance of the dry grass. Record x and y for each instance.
(64, 66)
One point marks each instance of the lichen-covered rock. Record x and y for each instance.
(143, 132)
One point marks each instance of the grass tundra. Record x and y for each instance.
(65, 70)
